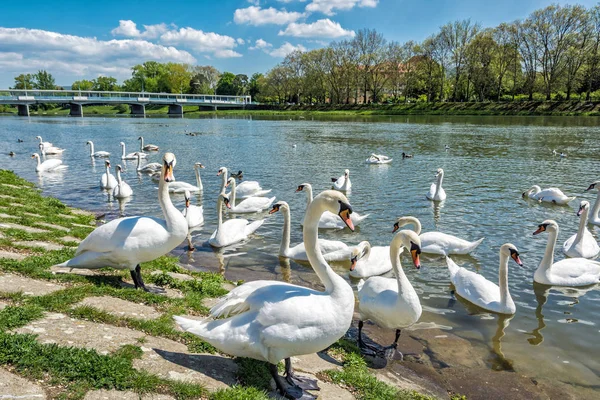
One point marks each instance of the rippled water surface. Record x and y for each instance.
(491, 160)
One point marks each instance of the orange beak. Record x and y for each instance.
(169, 173)
(353, 261)
(517, 259)
(187, 203)
(539, 230)
(345, 215)
(415, 257)
(218, 173)
(274, 210)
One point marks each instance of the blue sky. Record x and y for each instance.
(84, 39)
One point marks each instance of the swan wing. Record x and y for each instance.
(51, 164)
(431, 192)
(444, 244)
(475, 288)
(574, 272)
(253, 204)
(378, 263)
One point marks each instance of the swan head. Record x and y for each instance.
(35, 155)
(583, 206)
(122, 144)
(277, 206)
(347, 173)
(511, 251)
(362, 250)
(187, 196)
(547, 225)
(403, 221)
(336, 203)
(198, 165)
(222, 170)
(225, 199)
(119, 168)
(39, 137)
(89, 142)
(169, 162)
(302, 187)
(594, 185)
(230, 181)
(412, 242)
(107, 163)
(139, 138)
(439, 172)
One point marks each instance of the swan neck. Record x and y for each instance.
(582, 222)
(141, 143)
(119, 176)
(548, 259)
(309, 195)
(503, 279)
(91, 148)
(233, 190)
(169, 211)
(219, 213)
(284, 248)
(440, 179)
(198, 180)
(224, 180)
(401, 278)
(596, 208)
(123, 153)
(139, 162)
(415, 222)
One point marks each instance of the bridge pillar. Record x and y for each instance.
(175, 110)
(138, 110)
(76, 110)
(23, 110)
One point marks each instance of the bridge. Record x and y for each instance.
(137, 101)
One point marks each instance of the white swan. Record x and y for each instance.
(332, 250)
(50, 150)
(549, 195)
(149, 168)
(567, 272)
(272, 320)
(245, 189)
(249, 205)
(181, 187)
(582, 244)
(481, 292)
(48, 165)
(594, 218)
(233, 230)
(378, 159)
(107, 180)
(47, 144)
(97, 154)
(370, 260)
(436, 191)
(194, 215)
(329, 220)
(343, 182)
(148, 147)
(131, 156)
(124, 243)
(122, 190)
(391, 303)
(438, 242)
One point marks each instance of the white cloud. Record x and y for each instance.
(258, 16)
(128, 28)
(327, 7)
(203, 42)
(260, 44)
(323, 28)
(285, 49)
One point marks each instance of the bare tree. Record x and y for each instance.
(370, 47)
(456, 37)
(593, 56)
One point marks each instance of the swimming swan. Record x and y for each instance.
(107, 180)
(149, 168)
(370, 260)
(567, 272)
(343, 182)
(194, 215)
(391, 303)
(181, 187)
(122, 190)
(131, 156)
(46, 144)
(272, 320)
(481, 292)
(233, 230)
(48, 165)
(582, 244)
(594, 218)
(249, 205)
(124, 243)
(378, 159)
(97, 154)
(329, 220)
(549, 195)
(50, 150)
(436, 191)
(245, 189)
(148, 147)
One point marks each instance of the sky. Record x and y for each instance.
(85, 39)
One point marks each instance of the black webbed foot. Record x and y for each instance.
(302, 382)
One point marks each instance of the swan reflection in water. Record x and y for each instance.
(285, 269)
(437, 207)
(51, 178)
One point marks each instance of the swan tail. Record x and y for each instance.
(360, 284)
(362, 217)
(88, 259)
(472, 246)
(570, 199)
(251, 228)
(229, 307)
(452, 267)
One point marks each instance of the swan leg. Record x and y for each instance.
(367, 349)
(140, 281)
(302, 382)
(190, 245)
(391, 350)
(134, 277)
(291, 392)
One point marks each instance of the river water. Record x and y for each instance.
(490, 162)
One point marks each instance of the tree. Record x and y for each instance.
(83, 84)
(506, 53)
(240, 82)
(210, 73)
(199, 84)
(593, 54)
(256, 85)
(370, 48)
(44, 80)
(105, 84)
(226, 86)
(480, 55)
(24, 81)
(175, 79)
(456, 37)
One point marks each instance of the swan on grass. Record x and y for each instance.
(125, 243)
(181, 187)
(370, 260)
(51, 151)
(549, 195)
(582, 244)
(378, 159)
(481, 292)
(343, 182)
(245, 189)
(149, 168)
(46, 144)
(107, 180)
(249, 205)
(391, 303)
(436, 191)
(122, 190)
(328, 220)
(273, 321)
(231, 231)
(148, 147)
(131, 156)
(48, 165)
(567, 272)
(97, 154)
(194, 215)
(594, 218)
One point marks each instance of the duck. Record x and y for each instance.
(549, 195)
(231, 231)
(149, 168)
(328, 221)
(50, 150)
(122, 190)
(47, 144)
(436, 191)
(332, 250)
(194, 215)
(273, 321)
(404, 155)
(391, 303)
(370, 260)
(245, 189)
(343, 182)
(48, 165)
(249, 205)
(239, 174)
(437, 242)
(97, 154)
(11, 153)
(582, 244)
(131, 156)
(476, 289)
(568, 272)
(181, 187)
(107, 180)
(148, 147)
(594, 218)
(20, 140)
(125, 243)
(378, 159)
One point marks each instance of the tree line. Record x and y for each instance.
(554, 53)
